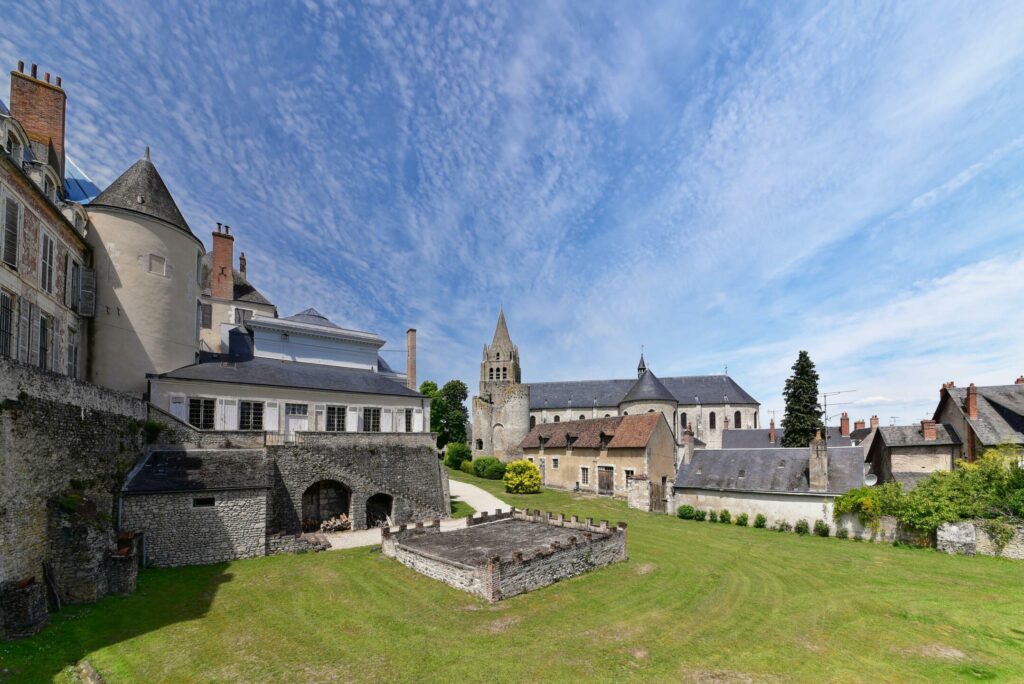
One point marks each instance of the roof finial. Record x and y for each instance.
(146, 157)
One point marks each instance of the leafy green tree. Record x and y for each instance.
(456, 454)
(448, 413)
(803, 412)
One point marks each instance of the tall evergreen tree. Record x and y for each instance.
(803, 412)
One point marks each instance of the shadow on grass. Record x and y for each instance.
(163, 597)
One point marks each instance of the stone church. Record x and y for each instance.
(506, 409)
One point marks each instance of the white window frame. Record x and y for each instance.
(74, 345)
(188, 411)
(45, 360)
(344, 417)
(585, 475)
(371, 409)
(554, 462)
(263, 412)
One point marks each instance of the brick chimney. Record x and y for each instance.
(858, 425)
(818, 464)
(874, 422)
(928, 430)
(241, 263)
(1019, 381)
(771, 431)
(972, 401)
(844, 425)
(410, 358)
(948, 385)
(39, 106)
(688, 445)
(222, 280)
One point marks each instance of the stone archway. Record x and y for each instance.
(324, 500)
(379, 510)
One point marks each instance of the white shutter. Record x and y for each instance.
(353, 419)
(24, 329)
(227, 414)
(417, 420)
(399, 420)
(177, 407)
(270, 417)
(33, 336)
(12, 216)
(386, 420)
(87, 294)
(320, 422)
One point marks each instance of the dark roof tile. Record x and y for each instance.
(769, 470)
(141, 189)
(200, 470)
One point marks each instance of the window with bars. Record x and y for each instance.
(12, 229)
(206, 316)
(6, 324)
(45, 329)
(250, 415)
(201, 412)
(371, 420)
(46, 264)
(335, 419)
(73, 353)
(408, 420)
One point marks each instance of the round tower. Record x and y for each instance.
(648, 394)
(147, 281)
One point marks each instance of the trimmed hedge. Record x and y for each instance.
(699, 516)
(467, 467)
(802, 527)
(821, 528)
(760, 521)
(742, 519)
(712, 516)
(489, 467)
(686, 512)
(724, 516)
(522, 477)
(456, 453)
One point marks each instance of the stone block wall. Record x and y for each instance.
(638, 493)
(970, 538)
(178, 533)
(178, 433)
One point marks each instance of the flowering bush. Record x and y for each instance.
(522, 477)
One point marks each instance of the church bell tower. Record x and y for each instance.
(500, 365)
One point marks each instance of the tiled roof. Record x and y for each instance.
(709, 389)
(910, 435)
(758, 438)
(275, 373)
(769, 470)
(626, 432)
(1000, 413)
(200, 470)
(141, 189)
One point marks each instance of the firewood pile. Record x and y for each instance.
(339, 524)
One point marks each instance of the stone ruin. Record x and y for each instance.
(501, 555)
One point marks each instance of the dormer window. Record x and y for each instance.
(605, 441)
(570, 440)
(48, 189)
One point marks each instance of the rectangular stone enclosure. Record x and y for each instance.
(500, 555)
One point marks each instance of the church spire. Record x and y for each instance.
(502, 340)
(641, 369)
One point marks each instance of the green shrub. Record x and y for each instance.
(821, 528)
(802, 527)
(522, 477)
(699, 516)
(467, 467)
(784, 526)
(456, 453)
(760, 521)
(495, 471)
(712, 516)
(152, 430)
(724, 516)
(742, 519)
(686, 512)
(842, 533)
(481, 464)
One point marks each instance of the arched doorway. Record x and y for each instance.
(324, 500)
(378, 510)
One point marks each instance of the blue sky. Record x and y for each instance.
(725, 184)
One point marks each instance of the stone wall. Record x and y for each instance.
(61, 437)
(638, 493)
(969, 538)
(178, 533)
(402, 465)
(178, 433)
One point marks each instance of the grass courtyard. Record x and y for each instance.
(695, 601)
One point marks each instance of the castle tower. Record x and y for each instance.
(501, 412)
(147, 281)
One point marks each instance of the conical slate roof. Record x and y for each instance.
(501, 340)
(141, 189)
(648, 388)
(642, 366)
(311, 317)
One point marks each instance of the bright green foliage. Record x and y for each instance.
(467, 467)
(802, 527)
(725, 516)
(803, 413)
(712, 516)
(489, 467)
(686, 512)
(821, 528)
(742, 519)
(700, 516)
(456, 453)
(448, 413)
(842, 533)
(522, 477)
(870, 503)
(760, 521)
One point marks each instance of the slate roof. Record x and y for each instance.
(501, 340)
(769, 470)
(242, 290)
(141, 189)
(627, 432)
(78, 187)
(3, 109)
(311, 317)
(758, 438)
(860, 434)
(200, 470)
(275, 373)
(910, 435)
(648, 388)
(710, 389)
(1000, 413)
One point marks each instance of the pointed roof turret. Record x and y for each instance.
(141, 189)
(502, 340)
(648, 388)
(642, 367)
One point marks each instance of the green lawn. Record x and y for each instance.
(695, 601)
(461, 509)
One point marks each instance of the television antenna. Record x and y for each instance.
(824, 397)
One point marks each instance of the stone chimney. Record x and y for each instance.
(410, 358)
(844, 425)
(858, 425)
(972, 401)
(928, 430)
(725, 423)
(222, 280)
(818, 466)
(241, 263)
(874, 422)
(1019, 381)
(948, 385)
(771, 431)
(39, 106)
(688, 445)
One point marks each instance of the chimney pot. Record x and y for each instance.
(34, 70)
(874, 422)
(1019, 381)
(844, 425)
(972, 401)
(410, 358)
(21, 66)
(58, 82)
(858, 425)
(46, 76)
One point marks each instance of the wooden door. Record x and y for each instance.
(605, 480)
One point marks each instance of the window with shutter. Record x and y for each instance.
(73, 353)
(12, 225)
(250, 415)
(24, 329)
(335, 419)
(45, 330)
(371, 420)
(207, 316)
(6, 324)
(201, 413)
(46, 264)
(87, 292)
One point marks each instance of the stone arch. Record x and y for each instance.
(711, 421)
(557, 419)
(533, 422)
(498, 439)
(379, 508)
(322, 500)
(479, 445)
(736, 420)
